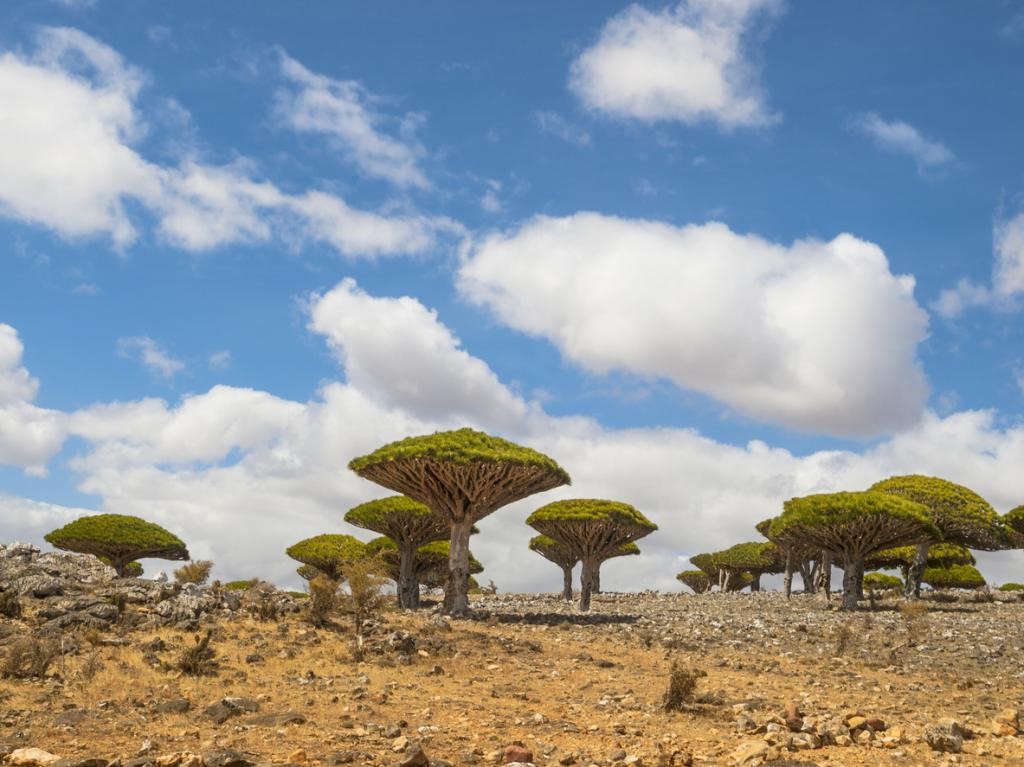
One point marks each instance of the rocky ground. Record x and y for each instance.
(528, 680)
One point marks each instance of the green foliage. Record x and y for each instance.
(401, 518)
(554, 551)
(430, 559)
(845, 514)
(753, 557)
(706, 564)
(739, 581)
(939, 555)
(307, 572)
(629, 549)
(328, 553)
(118, 537)
(953, 577)
(241, 585)
(462, 446)
(587, 509)
(130, 570)
(697, 580)
(1012, 587)
(1015, 519)
(960, 514)
(882, 582)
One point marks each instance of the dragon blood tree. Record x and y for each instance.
(625, 550)
(462, 476)
(119, 540)
(563, 556)
(327, 554)
(429, 561)
(697, 580)
(902, 558)
(806, 560)
(1014, 520)
(953, 577)
(410, 524)
(593, 529)
(754, 558)
(852, 526)
(959, 515)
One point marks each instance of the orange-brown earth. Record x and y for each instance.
(572, 689)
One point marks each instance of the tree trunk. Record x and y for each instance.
(458, 569)
(787, 579)
(912, 584)
(587, 583)
(858, 573)
(408, 588)
(851, 566)
(120, 566)
(595, 587)
(567, 584)
(755, 584)
(825, 574)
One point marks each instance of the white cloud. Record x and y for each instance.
(555, 125)
(151, 355)
(817, 336)
(219, 360)
(1007, 276)
(29, 435)
(348, 115)
(396, 350)
(70, 109)
(903, 138)
(687, 63)
(240, 474)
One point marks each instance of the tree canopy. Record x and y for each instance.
(902, 557)
(462, 476)
(852, 526)
(328, 553)
(592, 528)
(697, 580)
(120, 538)
(953, 577)
(961, 515)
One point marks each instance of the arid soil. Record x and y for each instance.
(783, 681)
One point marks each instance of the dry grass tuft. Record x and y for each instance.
(29, 657)
(199, 659)
(682, 684)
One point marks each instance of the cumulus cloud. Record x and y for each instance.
(397, 350)
(348, 115)
(240, 474)
(151, 355)
(1007, 276)
(687, 63)
(817, 336)
(903, 138)
(71, 109)
(29, 435)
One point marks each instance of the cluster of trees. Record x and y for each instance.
(923, 526)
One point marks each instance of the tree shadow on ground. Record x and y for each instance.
(553, 619)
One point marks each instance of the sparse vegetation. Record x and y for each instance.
(197, 572)
(682, 686)
(29, 657)
(199, 659)
(322, 602)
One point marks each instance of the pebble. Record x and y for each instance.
(31, 757)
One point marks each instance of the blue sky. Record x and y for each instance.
(708, 255)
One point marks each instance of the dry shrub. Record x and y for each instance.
(198, 660)
(29, 657)
(10, 605)
(197, 572)
(362, 597)
(682, 684)
(323, 601)
(90, 666)
(844, 637)
(915, 621)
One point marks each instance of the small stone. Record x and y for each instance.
(227, 757)
(81, 761)
(876, 724)
(856, 722)
(794, 723)
(632, 760)
(31, 757)
(1006, 722)
(298, 756)
(618, 756)
(749, 752)
(399, 744)
(175, 706)
(416, 759)
(517, 753)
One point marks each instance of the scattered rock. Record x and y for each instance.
(276, 720)
(417, 758)
(947, 736)
(227, 757)
(519, 753)
(1006, 722)
(749, 753)
(31, 757)
(174, 706)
